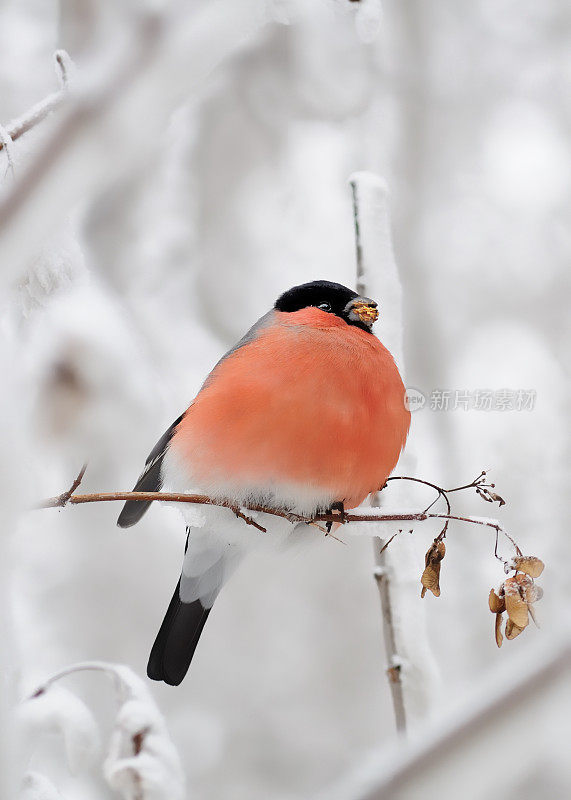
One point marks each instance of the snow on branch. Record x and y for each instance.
(141, 761)
(22, 124)
(117, 113)
(377, 276)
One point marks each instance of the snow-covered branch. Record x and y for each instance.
(127, 101)
(377, 276)
(25, 122)
(141, 761)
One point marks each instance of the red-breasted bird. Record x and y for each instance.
(305, 413)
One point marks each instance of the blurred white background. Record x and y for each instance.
(110, 326)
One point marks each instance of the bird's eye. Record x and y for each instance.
(324, 306)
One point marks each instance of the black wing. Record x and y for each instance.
(149, 480)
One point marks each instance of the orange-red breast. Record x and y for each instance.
(306, 411)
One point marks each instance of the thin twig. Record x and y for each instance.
(441, 492)
(339, 516)
(387, 543)
(360, 282)
(383, 577)
(83, 666)
(478, 483)
(64, 498)
(21, 125)
(248, 520)
(199, 499)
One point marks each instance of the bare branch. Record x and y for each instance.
(382, 574)
(63, 499)
(341, 517)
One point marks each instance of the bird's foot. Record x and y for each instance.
(337, 506)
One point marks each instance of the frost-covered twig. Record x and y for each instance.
(383, 576)
(125, 96)
(367, 191)
(141, 763)
(22, 124)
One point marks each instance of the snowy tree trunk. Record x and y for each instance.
(411, 667)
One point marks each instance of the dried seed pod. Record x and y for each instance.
(527, 588)
(512, 630)
(497, 499)
(497, 604)
(531, 565)
(524, 582)
(431, 576)
(499, 637)
(435, 553)
(431, 580)
(516, 606)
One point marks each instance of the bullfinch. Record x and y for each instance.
(305, 413)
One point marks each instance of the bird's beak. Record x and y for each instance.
(362, 309)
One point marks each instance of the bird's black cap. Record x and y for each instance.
(333, 298)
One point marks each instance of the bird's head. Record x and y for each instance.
(332, 298)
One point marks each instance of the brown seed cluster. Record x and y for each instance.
(516, 597)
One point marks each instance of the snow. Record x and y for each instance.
(388, 510)
(368, 19)
(8, 145)
(61, 712)
(141, 760)
(38, 787)
(490, 728)
(155, 771)
(485, 520)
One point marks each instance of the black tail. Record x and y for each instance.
(176, 640)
